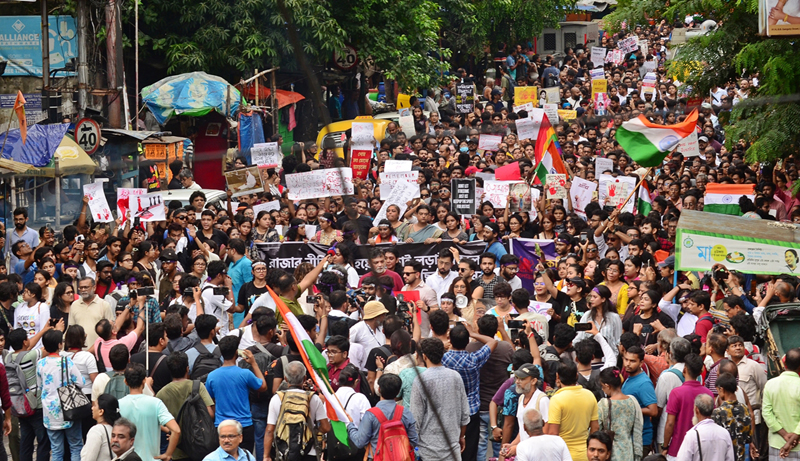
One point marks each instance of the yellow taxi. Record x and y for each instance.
(336, 132)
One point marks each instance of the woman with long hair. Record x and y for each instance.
(245, 226)
(146, 256)
(385, 234)
(478, 223)
(354, 402)
(43, 278)
(648, 321)
(344, 258)
(612, 278)
(560, 215)
(441, 215)
(63, 297)
(265, 230)
(198, 267)
(126, 260)
(326, 234)
(548, 232)
(631, 268)
(448, 306)
(74, 343)
(296, 232)
(105, 411)
(32, 314)
(603, 315)
(462, 286)
(516, 228)
(49, 266)
(453, 228)
(620, 414)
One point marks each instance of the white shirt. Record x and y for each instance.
(216, 305)
(316, 406)
(543, 409)
(362, 334)
(515, 283)
(86, 364)
(667, 381)
(714, 441)
(247, 339)
(440, 285)
(355, 406)
(543, 448)
(32, 319)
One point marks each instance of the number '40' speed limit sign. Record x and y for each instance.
(87, 135)
(346, 58)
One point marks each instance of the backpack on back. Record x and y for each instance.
(21, 404)
(198, 435)
(116, 385)
(362, 386)
(676, 373)
(550, 80)
(205, 363)
(263, 359)
(393, 443)
(294, 436)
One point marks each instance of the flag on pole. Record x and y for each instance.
(548, 153)
(644, 204)
(19, 108)
(724, 198)
(647, 143)
(317, 368)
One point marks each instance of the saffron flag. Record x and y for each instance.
(724, 198)
(317, 368)
(19, 108)
(644, 204)
(647, 143)
(548, 153)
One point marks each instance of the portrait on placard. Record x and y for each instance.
(244, 181)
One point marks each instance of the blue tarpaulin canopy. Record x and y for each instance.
(40, 146)
(195, 93)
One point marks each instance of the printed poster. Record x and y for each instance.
(244, 181)
(98, 205)
(602, 164)
(407, 123)
(149, 207)
(359, 162)
(525, 94)
(123, 202)
(519, 196)
(613, 191)
(553, 95)
(556, 186)
(462, 199)
(465, 98)
(598, 56)
(580, 194)
(320, 183)
(599, 85)
(490, 142)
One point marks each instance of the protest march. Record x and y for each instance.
(563, 259)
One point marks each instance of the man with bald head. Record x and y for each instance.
(539, 445)
(706, 440)
(781, 409)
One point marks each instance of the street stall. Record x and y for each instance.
(208, 97)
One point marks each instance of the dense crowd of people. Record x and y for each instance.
(170, 329)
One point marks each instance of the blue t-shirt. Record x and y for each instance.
(497, 249)
(240, 273)
(229, 386)
(641, 387)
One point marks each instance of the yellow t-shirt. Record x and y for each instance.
(573, 408)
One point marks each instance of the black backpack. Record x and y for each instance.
(363, 387)
(550, 80)
(592, 384)
(263, 360)
(198, 434)
(205, 363)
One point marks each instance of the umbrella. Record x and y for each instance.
(195, 93)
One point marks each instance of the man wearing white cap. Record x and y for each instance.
(369, 331)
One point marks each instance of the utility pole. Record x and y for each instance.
(83, 67)
(44, 39)
(114, 94)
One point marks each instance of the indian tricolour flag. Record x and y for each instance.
(644, 204)
(647, 143)
(547, 153)
(724, 198)
(317, 368)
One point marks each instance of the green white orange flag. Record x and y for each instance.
(548, 153)
(644, 204)
(724, 198)
(19, 108)
(647, 143)
(318, 369)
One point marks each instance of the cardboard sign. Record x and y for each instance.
(496, 192)
(556, 186)
(98, 205)
(525, 94)
(266, 153)
(519, 198)
(362, 133)
(580, 194)
(123, 202)
(148, 207)
(689, 146)
(601, 165)
(359, 162)
(597, 73)
(397, 165)
(529, 128)
(613, 191)
(320, 183)
(551, 110)
(462, 199)
(244, 181)
(402, 193)
(598, 56)
(465, 98)
(490, 142)
(389, 180)
(568, 115)
(599, 86)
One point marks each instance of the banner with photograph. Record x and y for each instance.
(328, 182)
(244, 181)
(699, 251)
(465, 98)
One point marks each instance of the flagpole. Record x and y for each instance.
(646, 174)
(8, 128)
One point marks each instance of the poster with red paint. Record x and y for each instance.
(359, 162)
(123, 198)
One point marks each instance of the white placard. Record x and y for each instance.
(98, 205)
(402, 193)
(311, 231)
(528, 107)
(388, 180)
(362, 133)
(149, 207)
(123, 203)
(266, 153)
(613, 191)
(540, 308)
(602, 164)
(629, 45)
(688, 146)
(478, 194)
(551, 110)
(581, 194)
(269, 206)
(397, 165)
(407, 123)
(496, 192)
(556, 186)
(320, 183)
(598, 56)
(529, 128)
(490, 142)
(598, 73)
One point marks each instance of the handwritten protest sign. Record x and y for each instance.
(489, 142)
(389, 180)
(597, 73)
(580, 194)
(123, 201)
(397, 165)
(598, 56)
(320, 183)
(496, 192)
(525, 94)
(689, 146)
(602, 164)
(555, 185)
(613, 191)
(553, 95)
(527, 107)
(266, 153)
(362, 133)
(568, 115)
(529, 128)
(551, 110)
(462, 200)
(98, 204)
(599, 86)
(402, 193)
(359, 162)
(269, 206)
(629, 45)
(244, 181)
(407, 122)
(149, 207)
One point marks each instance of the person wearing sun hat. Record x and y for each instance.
(369, 331)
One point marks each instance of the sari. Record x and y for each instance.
(429, 231)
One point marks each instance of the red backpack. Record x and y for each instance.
(393, 443)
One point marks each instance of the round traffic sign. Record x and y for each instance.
(87, 135)
(345, 59)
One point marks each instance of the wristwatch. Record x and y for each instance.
(493, 427)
